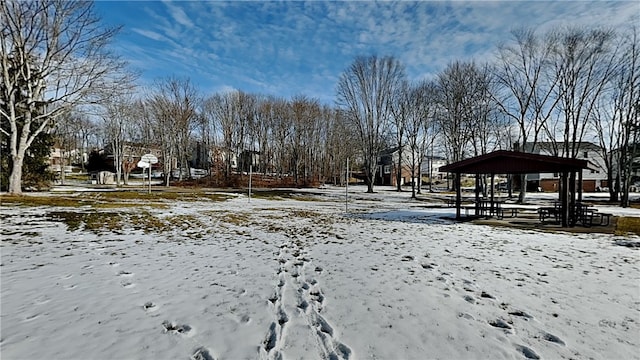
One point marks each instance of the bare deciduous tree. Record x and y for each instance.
(305, 114)
(120, 128)
(173, 105)
(583, 60)
(401, 110)
(527, 87)
(53, 57)
(420, 103)
(615, 116)
(454, 95)
(365, 93)
(72, 135)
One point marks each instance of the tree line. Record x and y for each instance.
(562, 87)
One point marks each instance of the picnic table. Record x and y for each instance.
(486, 208)
(585, 214)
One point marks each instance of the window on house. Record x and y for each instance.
(387, 169)
(586, 154)
(555, 175)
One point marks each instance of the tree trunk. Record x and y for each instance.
(62, 165)
(369, 187)
(399, 171)
(419, 190)
(523, 189)
(616, 185)
(624, 199)
(613, 194)
(483, 182)
(413, 183)
(369, 181)
(15, 180)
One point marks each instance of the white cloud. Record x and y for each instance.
(149, 34)
(302, 47)
(178, 14)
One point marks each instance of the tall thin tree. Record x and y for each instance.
(365, 93)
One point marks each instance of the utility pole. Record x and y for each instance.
(250, 172)
(346, 189)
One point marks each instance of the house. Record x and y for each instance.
(388, 164)
(387, 167)
(430, 168)
(593, 178)
(132, 153)
(59, 157)
(248, 159)
(217, 158)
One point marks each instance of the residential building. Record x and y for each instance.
(593, 179)
(59, 156)
(430, 167)
(132, 152)
(387, 167)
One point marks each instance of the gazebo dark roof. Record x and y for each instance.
(512, 162)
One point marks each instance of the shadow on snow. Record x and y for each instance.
(429, 217)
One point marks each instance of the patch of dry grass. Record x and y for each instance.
(91, 221)
(148, 223)
(628, 225)
(236, 218)
(304, 213)
(110, 199)
(40, 200)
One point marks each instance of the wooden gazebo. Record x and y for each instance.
(512, 162)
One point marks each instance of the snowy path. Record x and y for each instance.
(299, 279)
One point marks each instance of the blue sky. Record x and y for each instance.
(293, 48)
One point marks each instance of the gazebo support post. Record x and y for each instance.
(572, 198)
(580, 186)
(457, 183)
(477, 204)
(491, 192)
(564, 190)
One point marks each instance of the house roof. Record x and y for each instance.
(557, 148)
(512, 162)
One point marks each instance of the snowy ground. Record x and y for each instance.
(289, 279)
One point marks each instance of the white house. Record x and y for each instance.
(430, 167)
(593, 178)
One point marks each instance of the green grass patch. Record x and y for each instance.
(628, 225)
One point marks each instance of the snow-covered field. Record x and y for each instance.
(294, 279)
